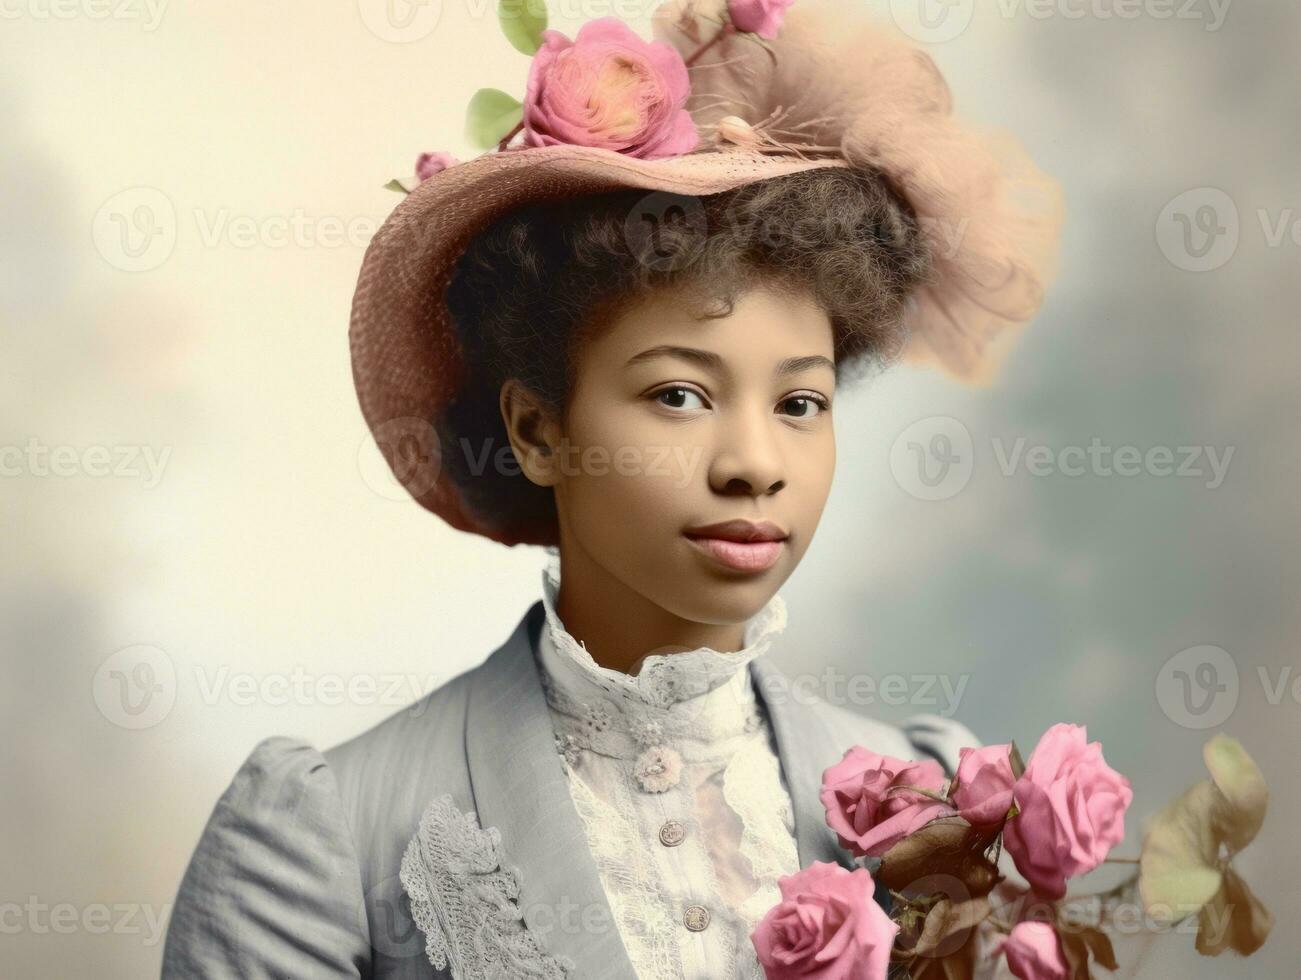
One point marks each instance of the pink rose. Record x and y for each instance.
(827, 926)
(867, 806)
(1034, 952)
(609, 88)
(762, 17)
(428, 164)
(983, 785)
(1072, 810)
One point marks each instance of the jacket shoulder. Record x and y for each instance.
(276, 849)
(422, 738)
(918, 736)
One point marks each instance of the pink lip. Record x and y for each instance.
(751, 556)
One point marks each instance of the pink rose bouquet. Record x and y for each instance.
(1071, 810)
(827, 927)
(874, 801)
(935, 846)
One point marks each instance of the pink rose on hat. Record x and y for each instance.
(609, 88)
(826, 927)
(982, 789)
(762, 17)
(1072, 810)
(871, 801)
(1034, 952)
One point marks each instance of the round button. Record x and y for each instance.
(672, 833)
(695, 917)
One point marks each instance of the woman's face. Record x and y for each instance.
(677, 423)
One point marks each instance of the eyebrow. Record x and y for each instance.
(714, 363)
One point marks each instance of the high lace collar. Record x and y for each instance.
(664, 680)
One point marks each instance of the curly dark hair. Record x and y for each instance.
(538, 282)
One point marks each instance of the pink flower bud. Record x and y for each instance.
(428, 164)
(762, 17)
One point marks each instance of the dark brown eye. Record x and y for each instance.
(678, 397)
(805, 406)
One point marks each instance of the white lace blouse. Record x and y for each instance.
(675, 774)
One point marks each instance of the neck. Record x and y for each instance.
(619, 626)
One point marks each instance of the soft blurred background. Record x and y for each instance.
(200, 548)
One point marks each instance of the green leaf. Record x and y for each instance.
(491, 115)
(396, 185)
(1014, 759)
(946, 846)
(1234, 919)
(1246, 796)
(523, 21)
(1179, 865)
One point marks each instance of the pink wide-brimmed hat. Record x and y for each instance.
(729, 93)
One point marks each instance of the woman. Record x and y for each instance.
(622, 342)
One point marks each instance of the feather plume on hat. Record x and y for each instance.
(836, 79)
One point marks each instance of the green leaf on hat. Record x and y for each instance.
(396, 185)
(492, 114)
(523, 21)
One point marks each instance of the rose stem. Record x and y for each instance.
(511, 135)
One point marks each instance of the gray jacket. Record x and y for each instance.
(299, 870)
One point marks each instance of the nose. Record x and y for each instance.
(748, 459)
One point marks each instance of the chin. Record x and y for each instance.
(723, 600)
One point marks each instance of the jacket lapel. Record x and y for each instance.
(521, 789)
(806, 748)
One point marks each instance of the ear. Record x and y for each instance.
(533, 432)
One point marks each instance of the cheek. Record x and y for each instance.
(626, 475)
(810, 487)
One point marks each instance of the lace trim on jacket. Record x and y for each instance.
(466, 902)
(750, 785)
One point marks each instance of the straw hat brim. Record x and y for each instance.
(406, 360)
